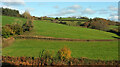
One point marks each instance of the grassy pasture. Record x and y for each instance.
(45, 28)
(10, 20)
(93, 50)
(63, 31)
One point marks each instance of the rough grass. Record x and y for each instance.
(93, 50)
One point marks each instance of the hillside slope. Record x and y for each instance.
(10, 20)
(63, 31)
(45, 28)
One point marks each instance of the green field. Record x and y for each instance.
(45, 28)
(93, 50)
(10, 20)
(63, 31)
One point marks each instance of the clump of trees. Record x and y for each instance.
(100, 25)
(29, 24)
(97, 23)
(18, 28)
(10, 12)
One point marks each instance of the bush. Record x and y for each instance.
(64, 53)
(46, 54)
(7, 32)
(17, 28)
(27, 26)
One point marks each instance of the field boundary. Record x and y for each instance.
(60, 39)
(38, 61)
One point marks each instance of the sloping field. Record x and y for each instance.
(10, 20)
(63, 31)
(92, 50)
(45, 28)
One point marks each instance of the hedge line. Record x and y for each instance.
(62, 39)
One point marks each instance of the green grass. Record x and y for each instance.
(92, 50)
(63, 31)
(10, 20)
(45, 28)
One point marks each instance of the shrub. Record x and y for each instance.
(17, 28)
(46, 54)
(7, 31)
(13, 29)
(27, 26)
(64, 53)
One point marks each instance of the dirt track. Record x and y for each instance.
(60, 39)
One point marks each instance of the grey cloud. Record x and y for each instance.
(13, 2)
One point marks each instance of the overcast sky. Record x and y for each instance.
(107, 10)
